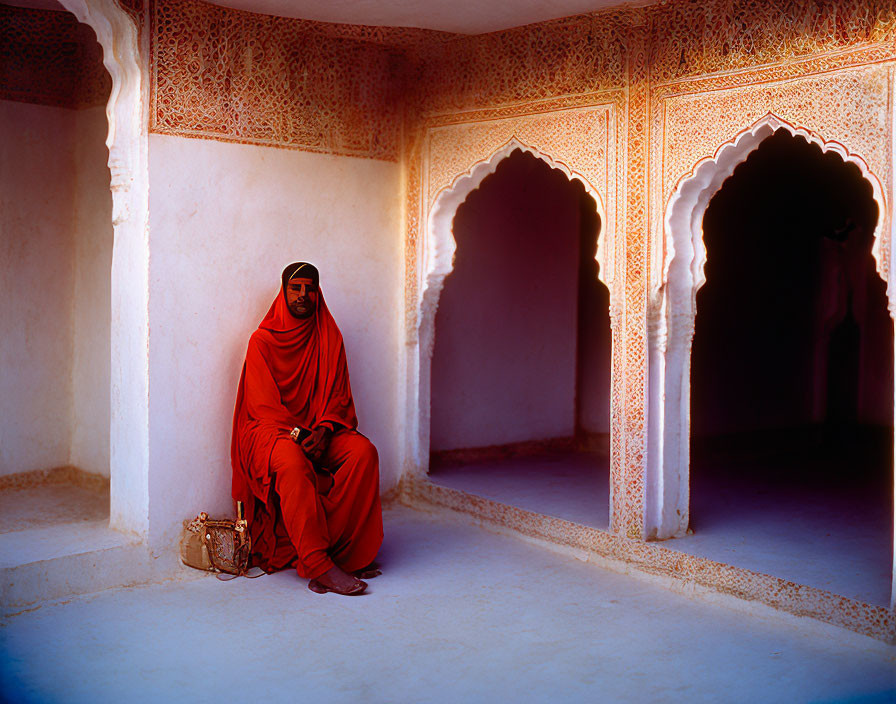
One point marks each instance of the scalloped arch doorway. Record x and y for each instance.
(776, 361)
(520, 369)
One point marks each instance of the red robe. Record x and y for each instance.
(295, 375)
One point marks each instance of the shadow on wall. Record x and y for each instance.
(522, 329)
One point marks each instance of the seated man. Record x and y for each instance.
(308, 479)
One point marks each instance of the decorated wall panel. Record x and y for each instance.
(236, 76)
(583, 139)
(850, 106)
(530, 79)
(699, 38)
(725, 75)
(628, 423)
(571, 56)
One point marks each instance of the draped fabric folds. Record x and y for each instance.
(295, 375)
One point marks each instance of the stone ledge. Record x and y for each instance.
(48, 553)
(64, 561)
(79, 573)
(58, 475)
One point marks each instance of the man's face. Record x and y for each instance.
(301, 297)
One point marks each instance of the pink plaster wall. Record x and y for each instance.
(55, 253)
(91, 300)
(36, 254)
(504, 365)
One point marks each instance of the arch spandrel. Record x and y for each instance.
(582, 140)
(849, 106)
(685, 251)
(440, 242)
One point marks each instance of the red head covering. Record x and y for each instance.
(294, 375)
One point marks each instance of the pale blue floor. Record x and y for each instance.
(460, 615)
(565, 484)
(764, 513)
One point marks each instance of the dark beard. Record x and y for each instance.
(301, 314)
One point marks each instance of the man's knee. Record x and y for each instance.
(362, 453)
(287, 458)
(366, 451)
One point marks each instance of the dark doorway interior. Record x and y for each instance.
(521, 363)
(792, 377)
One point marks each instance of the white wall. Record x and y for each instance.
(224, 221)
(36, 256)
(56, 252)
(91, 302)
(504, 361)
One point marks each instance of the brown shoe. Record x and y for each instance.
(372, 570)
(336, 581)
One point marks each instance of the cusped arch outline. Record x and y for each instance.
(440, 244)
(685, 256)
(437, 256)
(674, 300)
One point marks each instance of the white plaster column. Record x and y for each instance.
(124, 53)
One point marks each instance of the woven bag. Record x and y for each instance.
(220, 546)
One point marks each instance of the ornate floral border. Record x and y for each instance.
(236, 76)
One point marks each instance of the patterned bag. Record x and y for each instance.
(220, 546)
